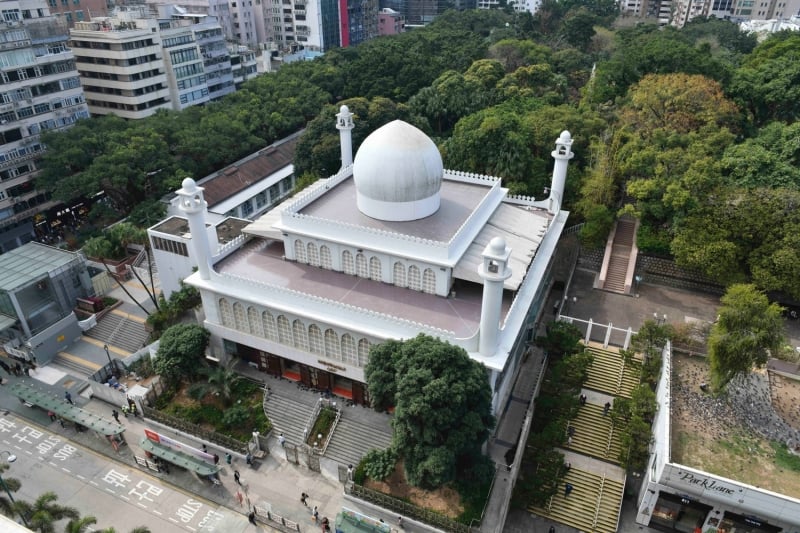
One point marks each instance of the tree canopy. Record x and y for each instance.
(749, 330)
(442, 405)
(181, 352)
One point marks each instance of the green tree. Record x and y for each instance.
(13, 485)
(181, 351)
(218, 380)
(80, 525)
(380, 374)
(45, 512)
(749, 329)
(443, 410)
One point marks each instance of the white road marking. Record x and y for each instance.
(124, 497)
(65, 470)
(111, 491)
(157, 512)
(173, 520)
(141, 505)
(80, 477)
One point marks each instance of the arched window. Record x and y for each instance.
(300, 336)
(239, 318)
(299, 252)
(332, 345)
(413, 278)
(325, 259)
(429, 281)
(313, 254)
(348, 349)
(268, 322)
(315, 340)
(375, 269)
(348, 266)
(363, 352)
(399, 274)
(284, 331)
(226, 313)
(254, 322)
(361, 266)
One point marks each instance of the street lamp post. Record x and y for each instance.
(110, 362)
(11, 459)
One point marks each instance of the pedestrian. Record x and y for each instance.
(236, 477)
(552, 529)
(567, 489)
(281, 440)
(303, 498)
(400, 522)
(569, 441)
(325, 524)
(228, 458)
(315, 514)
(249, 458)
(252, 518)
(606, 408)
(571, 431)
(52, 416)
(349, 472)
(583, 399)
(567, 466)
(216, 459)
(61, 421)
(68, 397)
(205, 448)
(115, 414)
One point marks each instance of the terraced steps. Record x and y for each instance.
(595, 435)
(593, 506)
(117, 330)
(289, 416)
(352, 440)
(610, 374)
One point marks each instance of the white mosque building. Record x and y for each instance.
(391, 246)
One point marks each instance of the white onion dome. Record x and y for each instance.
(497, 246)
(398, 173)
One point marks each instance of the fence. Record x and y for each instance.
(223, 441)
(405, 508)
(605, 334)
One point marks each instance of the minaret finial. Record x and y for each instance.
(344, 123)
(192, 204)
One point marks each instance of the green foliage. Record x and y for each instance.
(170, 311)
(235, 416)
(181, 352)
(219, 381)
(142, 367)
(653, 241)
(322, 425)
(379, 464)
(748, 329)
(360, 473)
(598, 223)
(784, 458)
(443, 407)
(380, 374)
(562, 339)
(43, 513)
(634, 417)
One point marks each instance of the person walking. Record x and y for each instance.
(568, 489)
(325, 524)
(228, 458)
(68, 397)
(249, 459)
(606, 408)
(314, 514)
(52, 416)
(552, 529)
(303, 498)
(582, 399)
(236, 477)
(281, 440)
(216, 459)
(252, 518)
(115, 414)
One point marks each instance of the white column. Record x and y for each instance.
(494, 271)
(193, 206)
(344, 123)
(562, 154)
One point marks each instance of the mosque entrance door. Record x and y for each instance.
(323, 380)
(359, 394)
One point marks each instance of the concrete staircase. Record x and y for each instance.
(618, 261)
(74, 365)
(610, 374)
(353, 439)
(289, 415)
(119, 331)
(595, 435)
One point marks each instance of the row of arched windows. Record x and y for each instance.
(295, 333)
(358, 265)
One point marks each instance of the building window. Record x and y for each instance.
(225, 313)
(261, 199)
(268, 323)
(413, 278)
(348, 267)
(332, 345)
(313, 255)
(363, 352)
(300, 335)
(374, 268)
(254, 322)
(348, 349)
(284, 331)
(239, 318)
(247, 208)
(399, 274)
(299, 252)
(325, 257)
(361, 266)
(429, 281)
(315, 340)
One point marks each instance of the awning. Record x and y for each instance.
(522, 230)
(47, 400)
(183, 460)
(262, 227)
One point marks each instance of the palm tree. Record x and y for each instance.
(220, 380)
(12, 485)
(45, 512)
(80, 525)
(103, 249)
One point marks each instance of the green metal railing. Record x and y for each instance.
(223, 441)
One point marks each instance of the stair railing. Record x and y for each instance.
(599, 500)
(333, 427)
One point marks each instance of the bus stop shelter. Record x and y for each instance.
(34, 396)
(184, 460)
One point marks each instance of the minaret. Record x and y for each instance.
(494, 271)
(562, 154)
(344, 123)
(193, 206)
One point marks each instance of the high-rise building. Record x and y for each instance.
(132, 63)
(39, 91)
(78, 10)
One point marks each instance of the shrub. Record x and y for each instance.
(379, 464)
(653, 241)
(360, 474)
(235, 416)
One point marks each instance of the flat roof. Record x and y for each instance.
(262, 260)
(29, 262)
(458, 201)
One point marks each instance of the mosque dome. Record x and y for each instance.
(398, 173)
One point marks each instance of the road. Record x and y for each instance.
(117, 495)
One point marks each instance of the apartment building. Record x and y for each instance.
(78, 10)
(135, 63)
(244, 64)
(39, 91)
(390, 22)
